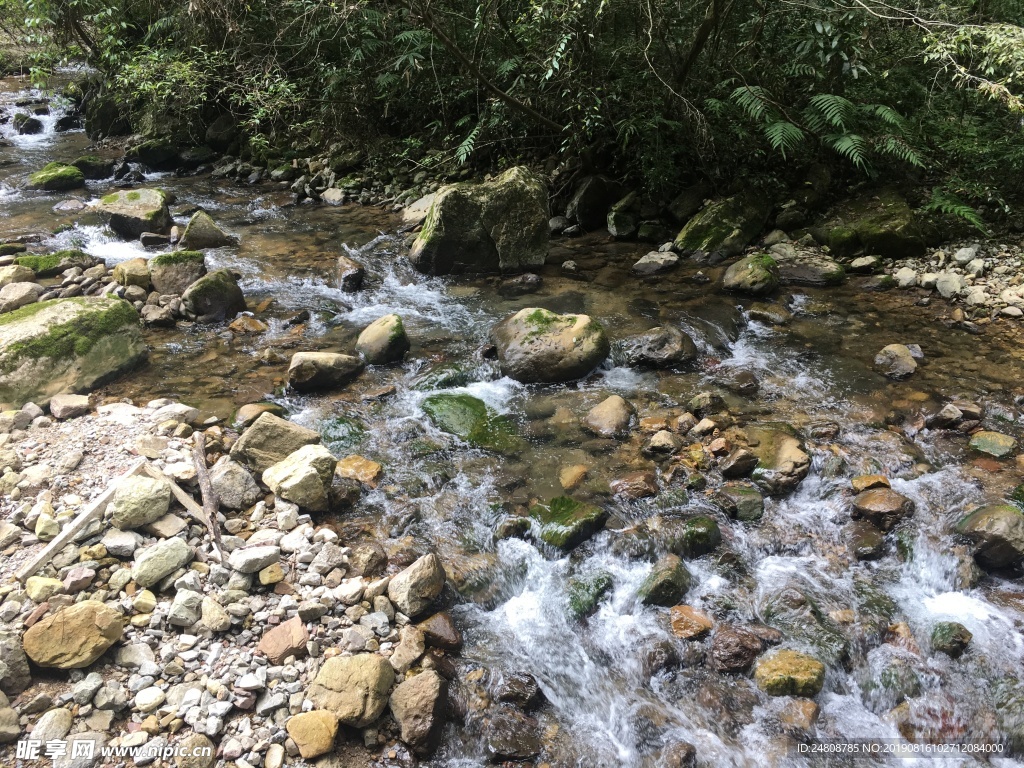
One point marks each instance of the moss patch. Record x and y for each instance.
(566, 523)
(7, 249)
(51, 264)
(470, 419)
(177, 257)
(55, 177)
(586, 592)
(73, 338)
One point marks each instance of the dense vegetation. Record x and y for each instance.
(660, 91)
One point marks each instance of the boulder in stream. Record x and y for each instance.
(419, 705)
(789, 673)
(566, 523)
(782, 461)
(662, 347)
(214, 298)
(537, 345)
(52, 264)
(469, 418)
(203, 232)
(755, 275)
(132, 212)
(667, 583)
(896, 361)
(383, 341)
(997, 531)
(174, 272)
(270, 439)
(723, 228)
(497, 226)
(312, 371)
(56, 177)
(66, 345)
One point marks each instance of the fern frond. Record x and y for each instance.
(945, 202)
(752, 99)
(896, 147)
(465, 149)
(783, 136)
(836, 110)
(851, 146)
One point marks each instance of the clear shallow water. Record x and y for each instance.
(607, 703)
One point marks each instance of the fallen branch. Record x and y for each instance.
(72, 529)
(210, 501)
(193, 509)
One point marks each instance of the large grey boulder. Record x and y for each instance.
(66, 345)
(311, 371)
(214, 298)
(131, 212)
(498, 226)
(723, 228)
(203, 232)
(174, 272)
(663, 347)
(17, 295)
(234, 487)
(537, 345)
(755, 275)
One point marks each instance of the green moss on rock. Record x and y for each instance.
(566, 523)
(56, 177)
(469, 418)
(177, 257)
(50, 264)
(586, 592)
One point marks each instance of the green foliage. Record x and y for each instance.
(948, 204)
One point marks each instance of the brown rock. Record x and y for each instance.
(75, 636)
(689, 623)
(863, 483)
(882, 507)
(734, 649)
(418, 706)
(358, 468)
(440, 631)
(636, 485)
(355, 688)
(313, 732)
(284, 640)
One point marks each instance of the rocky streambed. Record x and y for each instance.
(644, 505)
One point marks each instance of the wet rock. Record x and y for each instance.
(566, 523)
(312, 371)
(865, 540)
(440, 631)
(286, 639)
(863, 483)
(174, 272)
(162, 559)
(74, 637)
(53, 264)
(536, 345)
(101, 336)
(202, 232)
(511, 736)
(782, 461)
(667, 583)
(497, 226)
(214, 298)
(26, 125)
(806, 266)
(234, 486)
(520, 690)
(350, 274)
(520, 285)
(896, 361)
(56, 177)
(383, 341)
(733, 649)
(789, 673)
(882, 507)
(755, 275)
(419, 705)
(994, 444)
(881, 223)
(360, 469)
(997, 531)
(635, 485)
(661, 347)
(132, 212)
(688, 623)
(742, 501)
(951, 638)
(414, 589)
(470, 419)
(688, 537)
(771, 314)
(270, 439)
(138, 501)
(313, 732)
(585, 592)
(303, 477)
(610, 417)
(723, 229)
(739, 463)
(655, 263)
(354, 688)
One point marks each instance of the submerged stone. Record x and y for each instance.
(469, 418)
(566, 523)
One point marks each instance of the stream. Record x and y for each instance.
(620, 688)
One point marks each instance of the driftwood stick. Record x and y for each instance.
(72, 529)
(210, 501)
(193, 509)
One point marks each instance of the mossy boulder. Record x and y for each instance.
(566, 523)
(723, 229)
(214, 298)
(174, 272)
(66, 345)
(133, 272)
(56, 177)
(52, 264)
(789, 673)
(585, 593)
(802, 618)
(993, 444)
(782, 461)
(9, 249)
(203, 232)
(754, 275)
(469, 418)
(26, 124)
(132, 212)
(537, 345)
(742, 501)
(498, 226)
(383, 341)
(878, 222)
(997, 531)
(951, 638)
(93, 167)
(688, 537)
(161, 154)
(667, 583)
(105, 115)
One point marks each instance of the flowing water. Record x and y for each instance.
(620, 688)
